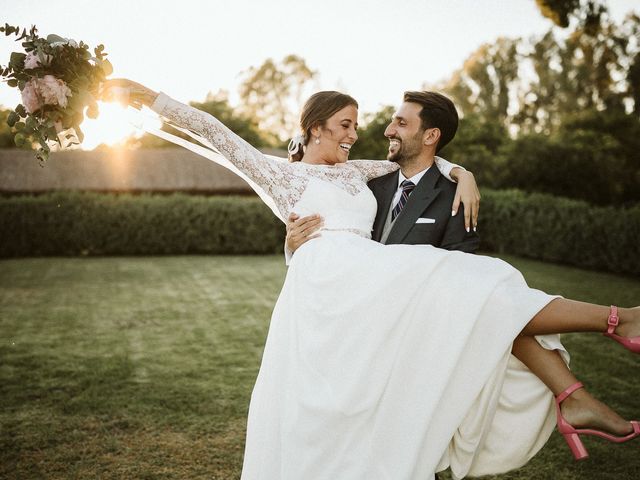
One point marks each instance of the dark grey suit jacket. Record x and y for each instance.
(431, 198)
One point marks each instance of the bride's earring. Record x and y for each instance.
(317, 140)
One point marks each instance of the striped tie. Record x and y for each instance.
(407, 187)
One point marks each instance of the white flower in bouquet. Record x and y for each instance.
(47, 90)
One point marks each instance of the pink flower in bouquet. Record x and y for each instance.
(48, 90)
(53, 91)
(33, 61)
(30, 98)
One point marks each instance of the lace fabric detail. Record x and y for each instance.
(283, 181)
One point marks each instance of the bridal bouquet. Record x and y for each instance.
(58, 79)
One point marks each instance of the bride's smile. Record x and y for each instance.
(330, 143)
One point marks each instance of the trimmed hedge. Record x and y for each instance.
(560, 230)
(75, 223)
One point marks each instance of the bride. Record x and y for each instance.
(394, 361)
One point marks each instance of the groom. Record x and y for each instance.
(414, 203)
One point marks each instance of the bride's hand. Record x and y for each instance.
(127, 92)
(467, 193)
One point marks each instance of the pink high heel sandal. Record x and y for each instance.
(632, 343)
(572, 434)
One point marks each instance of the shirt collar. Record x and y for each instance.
(415, 179)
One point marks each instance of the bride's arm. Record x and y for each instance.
(377, 168)
(467, 191)
(264, 171)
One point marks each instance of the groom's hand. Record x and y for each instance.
(301, 230)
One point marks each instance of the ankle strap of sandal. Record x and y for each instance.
(613, 319)
(563, 395)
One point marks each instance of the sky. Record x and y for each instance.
(371, 49)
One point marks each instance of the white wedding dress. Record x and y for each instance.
(382, 362)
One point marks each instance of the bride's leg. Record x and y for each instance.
(580, 409)
(564, 316)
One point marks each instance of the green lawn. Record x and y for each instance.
(142, 368)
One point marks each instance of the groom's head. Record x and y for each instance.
(424, 124)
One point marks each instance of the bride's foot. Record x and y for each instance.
(629, 322)
(582, 410)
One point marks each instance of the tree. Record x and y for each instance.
(6, 136)
(588, 12)
(592, 157)
(483, 83)
(7, 133)
(477, 146)
(273, 93)
(529, 85)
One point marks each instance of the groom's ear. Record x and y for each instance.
(431, 136)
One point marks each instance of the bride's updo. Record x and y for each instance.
(316, 111)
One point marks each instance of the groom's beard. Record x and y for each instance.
(408, 150)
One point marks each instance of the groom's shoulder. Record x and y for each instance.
(382, 180)
(446, 185)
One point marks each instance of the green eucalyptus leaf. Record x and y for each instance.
(55, 38)
(76, 103)
(31, 122)
(12, 83)
(19, 126)
(16, 60)
(19, 139)
(107, 68)
(12, 119)
(20, 110)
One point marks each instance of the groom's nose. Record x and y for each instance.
(389, 131)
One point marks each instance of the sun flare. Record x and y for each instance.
(112, 127)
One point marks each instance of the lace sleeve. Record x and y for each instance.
(373, 168)
(377, 168)
(266, 172)
(445, 168)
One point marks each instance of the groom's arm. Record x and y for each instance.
(300, 231)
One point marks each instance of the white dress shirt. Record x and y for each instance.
(386, 229)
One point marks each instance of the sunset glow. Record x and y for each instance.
(114, 125)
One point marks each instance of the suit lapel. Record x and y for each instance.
(421, 197)
(384, 194)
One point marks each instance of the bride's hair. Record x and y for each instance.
(316, 111)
